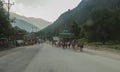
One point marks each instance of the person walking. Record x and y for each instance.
(81, 47)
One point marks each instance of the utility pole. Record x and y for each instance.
(32, 34)
(9, 5)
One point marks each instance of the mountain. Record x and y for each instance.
(80, 14)
(17, 29)
(27, 23)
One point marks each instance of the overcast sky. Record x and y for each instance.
(49, 10)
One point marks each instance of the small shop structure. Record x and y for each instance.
(65, 35)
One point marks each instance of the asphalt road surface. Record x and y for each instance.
(45, 58)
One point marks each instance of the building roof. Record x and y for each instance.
(65, 34)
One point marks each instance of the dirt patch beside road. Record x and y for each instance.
(108, 52)
(100, 48)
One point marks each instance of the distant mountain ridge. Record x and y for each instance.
(27, 23)
(25, 26)
(81, 13)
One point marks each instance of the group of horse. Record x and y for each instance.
(68, 44)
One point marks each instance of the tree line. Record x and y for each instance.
(5, 26)
(102, 26)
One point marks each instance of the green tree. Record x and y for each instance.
(75, 29)
(105, 26)
(5, 26)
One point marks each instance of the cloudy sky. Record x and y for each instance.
(46, 9)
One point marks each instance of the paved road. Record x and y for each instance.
(45, 58)
(16, 60)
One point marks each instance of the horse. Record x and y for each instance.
(68, 44)
(73, 44)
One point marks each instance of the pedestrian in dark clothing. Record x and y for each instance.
(81, 47)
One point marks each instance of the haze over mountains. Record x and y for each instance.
(80, 14)
(29, 23)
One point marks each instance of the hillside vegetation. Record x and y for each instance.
(98, 20)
